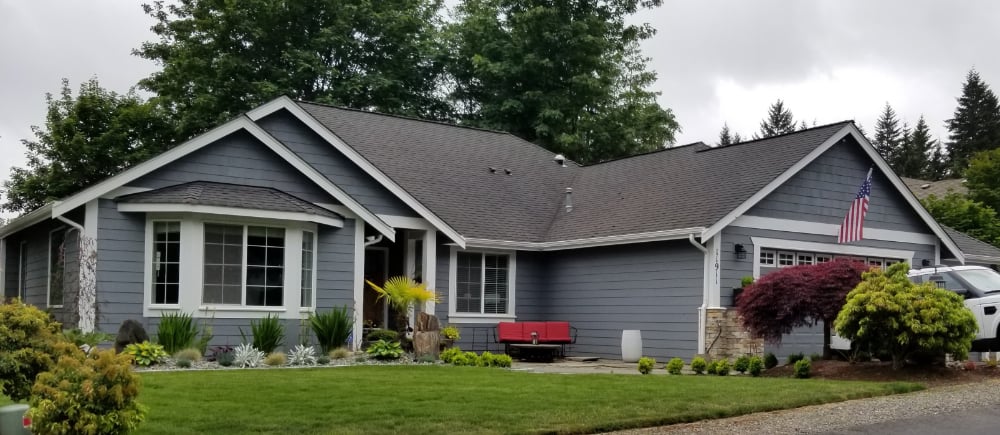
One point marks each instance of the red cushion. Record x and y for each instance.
(510, 332)
(557, 332)
(530, 327)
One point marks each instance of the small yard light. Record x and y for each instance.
(741, 252)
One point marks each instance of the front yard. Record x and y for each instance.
(444, 399)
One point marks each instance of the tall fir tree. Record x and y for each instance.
(888, 136)
(975, 126)
(725, 136)
(779, 120)
(937, 167)
(915, 152)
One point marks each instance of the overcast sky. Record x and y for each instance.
(718, 61)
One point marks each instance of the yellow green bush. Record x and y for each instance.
(28, 341)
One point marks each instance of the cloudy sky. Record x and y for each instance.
(718, 61)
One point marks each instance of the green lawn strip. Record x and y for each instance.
(443, 399)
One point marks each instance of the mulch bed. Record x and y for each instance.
(930, 376)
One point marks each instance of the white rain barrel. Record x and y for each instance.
(631, 345)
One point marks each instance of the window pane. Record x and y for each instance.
(275, 257)
(223, 278)
(468, 291)
(166, 262)
(213, 294)
(256, 254)
(495, 287)
(306, 281)
(274, 277)
(231, 294)
(255, 295)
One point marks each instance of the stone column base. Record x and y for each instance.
(725, 336)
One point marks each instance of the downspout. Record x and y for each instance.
(702, 313)
(373, 240)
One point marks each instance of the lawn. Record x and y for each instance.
(444, 399)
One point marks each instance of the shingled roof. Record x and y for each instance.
(228, 195)
(924, 188)
(493, 185)
(971, 246)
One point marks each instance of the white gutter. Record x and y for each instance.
(702, 313)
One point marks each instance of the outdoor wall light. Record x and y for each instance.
(741, 252)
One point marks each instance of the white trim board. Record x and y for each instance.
(851, 130)
(652, 236)
(242, 123)
(355, 157)
(230, 211)
(794, 226)
(761, 243)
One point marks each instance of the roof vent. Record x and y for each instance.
(925, 186)
(493, 170)
(560, 160)
(569, 199)
(508, 171)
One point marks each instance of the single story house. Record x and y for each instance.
(291, 207)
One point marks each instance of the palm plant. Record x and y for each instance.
(401, 293)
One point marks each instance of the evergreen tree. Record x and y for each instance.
(86, 138)
(888, 136)
(725, 136)
(916, 152)
(779, 121)
(567, 75)
(976, 123)
(937, 167)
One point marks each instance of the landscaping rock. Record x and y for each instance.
(130, 332)
(426, 344)
(427, 322)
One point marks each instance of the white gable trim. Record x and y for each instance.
(230, 211)
(652, 236)
(849, 129)
(242, 123)
(805, 227)
(286, 103)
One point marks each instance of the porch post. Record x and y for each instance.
(359, 282)
(430, 265)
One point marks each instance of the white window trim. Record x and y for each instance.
(777, 258)
(456, 317)
(192, 268)
(151, 237)
(761, 243)
(774, 258)
(48, 275)
(315, 247)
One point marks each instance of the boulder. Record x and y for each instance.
(427, 322)
(426, 344)
(130, 332)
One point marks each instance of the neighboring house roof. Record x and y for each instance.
(974, 249)
(923, 188)
(228, 195)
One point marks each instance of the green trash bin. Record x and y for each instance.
(12, 420)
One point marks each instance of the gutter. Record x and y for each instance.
(702, 310)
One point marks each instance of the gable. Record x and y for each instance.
(236, 159)
(823, 191)
(333, 164)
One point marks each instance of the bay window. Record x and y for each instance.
(244, 264)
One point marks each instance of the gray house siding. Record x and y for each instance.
(236, 159)
(334, 165)
(823, 191)
(653, 287)
(120, 259)
(335, 267)
(36, 240)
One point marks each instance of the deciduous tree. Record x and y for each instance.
(566, 75)
(966, 215)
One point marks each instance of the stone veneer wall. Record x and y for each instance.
(727, 338)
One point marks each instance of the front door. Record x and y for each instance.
(376, 313)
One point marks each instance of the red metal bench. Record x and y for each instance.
(544, 334)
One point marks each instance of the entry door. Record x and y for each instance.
(376, 270)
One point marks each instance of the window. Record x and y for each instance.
(307, 269)
(166, 262)
(234, 253)
(57, 261)
(22, 270)
(482, 283)
(767, 258)
(823, 258)
(876, 262)
(786, 259)
(804, 258)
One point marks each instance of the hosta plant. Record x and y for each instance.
(246, 355)
(385, 350)
(146, 354)
(302, 355)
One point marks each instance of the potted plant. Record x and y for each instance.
(448, 336)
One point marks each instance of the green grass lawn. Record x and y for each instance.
(444, 399)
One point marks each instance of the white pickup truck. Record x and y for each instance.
(980, 286)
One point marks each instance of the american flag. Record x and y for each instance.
(853, 227)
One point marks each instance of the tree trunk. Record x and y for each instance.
(827, 352)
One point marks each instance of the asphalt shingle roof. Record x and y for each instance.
(923, 188)
(447, 168)
(228, 195)
(970, 245)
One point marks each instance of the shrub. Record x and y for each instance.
(340, 353)
(710, 367)
(206, 337)
(969, 366)
(770, 361)
(722, 367)
(815, 357)
(802, 368)
(794, 358)
(145, 354)
(698, 365)
(486, 359)
(190, 354)
(268, 334)
(755, 366)
(741, 364)
(991, 361)
(323, 360)
(28, 341)
(332, 328)
(245, 355)
(91, 339)
(675, 365)
(502, 361)
(382, 334)
(466, 359)
(646, 365)
(224, 355)
(275, 359)
(302, 355)
(184, 363)
(449, 354)
(385, 350)
(215, 352)
(887, 311)
(450, 332)
(87, 395)
(176, 331)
